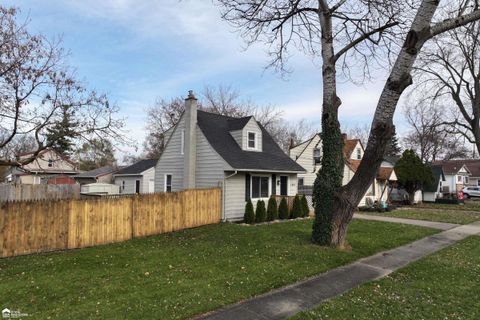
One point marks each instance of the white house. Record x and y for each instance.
(137, 178)
(237, 154)
(456, 175)
(309, 153)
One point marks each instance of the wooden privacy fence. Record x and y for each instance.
(10, 192)
(39, 226)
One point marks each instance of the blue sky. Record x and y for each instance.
(136, 51)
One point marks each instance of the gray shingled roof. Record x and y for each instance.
(97, 172)
(216, 129)
(238, 123)
(138, 168)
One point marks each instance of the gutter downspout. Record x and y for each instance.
(225, 192)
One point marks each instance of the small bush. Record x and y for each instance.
(261, 212)
(283, 209)
(305, 208)
(249, 215)
(272, 210)
(297, 210)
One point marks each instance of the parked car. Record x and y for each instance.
(470, 192)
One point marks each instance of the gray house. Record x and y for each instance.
(237, 154)
(137, 178)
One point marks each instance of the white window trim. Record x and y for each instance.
(182, 142)
(248, 140)
(269, 186)
(165, 182)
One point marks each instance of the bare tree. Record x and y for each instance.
(345, 33)
(449, 69)
(36, 87)
(428, 136)
(226, 101)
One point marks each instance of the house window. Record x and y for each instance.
(168, 183)
(252, 137)
(50, 163)
(316, 156)
(123, 185)
(359, 154)
(259, 187)
(466, 180)
(459, 178)
(301, 182)
(182, 147)
(137, 186)
(478, 182)
(283, 185)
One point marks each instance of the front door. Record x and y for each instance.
(284, 185)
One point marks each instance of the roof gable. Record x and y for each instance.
(216, 129)
(349, 146)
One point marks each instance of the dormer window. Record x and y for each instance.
(316, 156)
(359, 154)
(252, 140)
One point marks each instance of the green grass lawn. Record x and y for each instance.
(469, 205)
(441, 215)
(177, 275)
(445, 285)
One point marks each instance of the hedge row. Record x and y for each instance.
(274, 211)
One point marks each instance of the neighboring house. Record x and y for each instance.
(309, 154)
(433, 191)
(473, 166)
(456, 175)
(99, 175)
(137, 178)
(47, 164)
(210, 150)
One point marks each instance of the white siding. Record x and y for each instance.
(211, 167)
(235, 192)
(355, 152)
(171, 161)
(146, 177)
(129, 183)
(305, 159)
(252, 126)
(235, 197)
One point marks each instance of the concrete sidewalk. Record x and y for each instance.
(421, 223)
(290, 300)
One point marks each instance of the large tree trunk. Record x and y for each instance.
(334, 205)
(330, 176)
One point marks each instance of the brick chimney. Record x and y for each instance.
(190, 141)
(344, 136)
